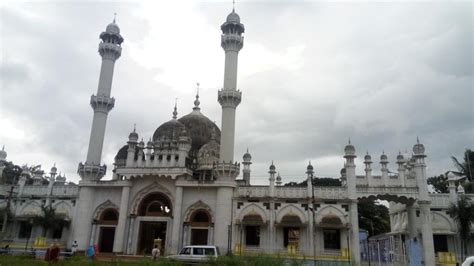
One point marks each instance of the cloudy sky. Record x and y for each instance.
(312, 74)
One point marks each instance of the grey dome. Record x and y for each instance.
(310, 167)
(122, 153)
(400, 157)
(113, 28)
(169, 131)
(349, 149)
(367, 158)
(3, 154)
(233, 17)
(418, 149)
(383, 157)
(247, 157)
(133, 136)
(272, 167)
(200, 129)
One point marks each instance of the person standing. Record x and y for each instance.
(155, 252)
(74, 247)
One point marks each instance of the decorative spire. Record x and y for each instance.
(115, 16)
(134, 128)
(233, 5)
(197, 102)
(349, 140)
(175, 112)
(3, 147)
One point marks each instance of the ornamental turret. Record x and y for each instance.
(229, 97)
(247, 161)
(110, 50)
(384, 163)
(309, 180)
(368, 168)
(272, 171)
(401, 168)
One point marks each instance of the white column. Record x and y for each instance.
(83, 217)
(176, 221)
(93, 233)
(427, 233)
(120, 230)
(130, 234)
(223, 217)
(227, 134)
(355, 249)
(411, 221)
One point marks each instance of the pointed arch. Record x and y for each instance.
(64, 208)
(330, 211)
(155, 187)
(252, 209)
(291, 210)
(108, 204)
(31, 208)
(198, 205)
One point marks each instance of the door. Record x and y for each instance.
(199, 237)
(106, 239)
(149, 231)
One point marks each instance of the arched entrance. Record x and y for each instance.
(155, 211)
(200, 221)
(107, 223)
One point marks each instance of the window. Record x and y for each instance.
(198, 251)
(185, 251)
(25, 230)
(332, 239)
(252, 235)
(440, 243)
(209, 252)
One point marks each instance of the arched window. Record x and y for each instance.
(200, 218)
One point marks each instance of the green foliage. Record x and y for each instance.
(11, 173)
(439, 183)
(373, 217)
(318, 181)
(466, 166)
(463, 213)
(49, 219)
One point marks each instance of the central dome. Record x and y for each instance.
(168, 131)
(200, 128)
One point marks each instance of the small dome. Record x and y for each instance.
(169, 131)
(451, 176)
(418, 149)
(149, 144)
(233, 17)
(113, 28)
(310, 167)
(383, 157)
(141, 143)
(133, 136)
(278, 178)
(200, 129)
(367, 158)
(54, 169)
(349, 149)
(247, 157)
(272, 167)
(400, 157)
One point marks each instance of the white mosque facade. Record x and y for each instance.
(182, 187)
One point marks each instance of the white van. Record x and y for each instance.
(196, 254)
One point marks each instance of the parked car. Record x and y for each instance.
(469, 261)
(196, 254)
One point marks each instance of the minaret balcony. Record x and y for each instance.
(229, 97)
(110, 50)
(102, 103)
(226, 170)
(233, 42)
(91, 171)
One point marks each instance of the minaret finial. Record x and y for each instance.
(3, 147)
(349, 140)
(134, 127)
(115, 16)
(247, 149)
(417, 140)
(233, 5)
(175, 112)
(196, 102)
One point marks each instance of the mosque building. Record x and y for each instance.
(182, 187)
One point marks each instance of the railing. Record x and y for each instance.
(254, 191)
(35, 190)
(65, 191)
(330, 192)
(290, 192)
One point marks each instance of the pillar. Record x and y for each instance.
(176, 220)
(411, 224)
(120, 230)
(83, 217)
(223, 217)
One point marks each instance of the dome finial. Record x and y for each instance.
(3, 147)
(417, 140)
(175, 112)
(134, 128)
(197, 102)
(115, 16)
(233, 5)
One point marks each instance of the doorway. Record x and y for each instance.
(149, 231)
(199, 236)
(106, 239)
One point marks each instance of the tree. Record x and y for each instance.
(463, 214)
(11, 173)
(50, 219)
(439, 183)
(373, 217)
(317, 182)
(466, 166)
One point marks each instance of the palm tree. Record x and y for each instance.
(50, 220)
(463, 214)
(466, 166)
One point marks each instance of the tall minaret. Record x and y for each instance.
(102, 103)
(229, 97)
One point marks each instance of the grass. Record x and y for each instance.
(80, 261)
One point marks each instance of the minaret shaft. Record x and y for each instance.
(106, 77)
(227, 134)
(230, 70)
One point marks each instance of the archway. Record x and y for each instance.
(107, 223)
(154, 211)
(200, 221)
